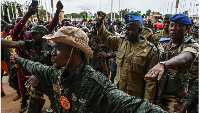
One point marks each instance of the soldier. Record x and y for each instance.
(176, 56)
(162, 33)
(18, 33)
(78, 87)
(147, 32)
(134, 57)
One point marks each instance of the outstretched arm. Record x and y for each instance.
(10, 44)
(176, 62)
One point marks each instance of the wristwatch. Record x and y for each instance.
(164, 63)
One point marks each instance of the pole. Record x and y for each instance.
(111, 8)
(52, 8)
(177, 2)
(119, 8)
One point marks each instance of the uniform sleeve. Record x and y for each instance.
(23, 45)
(109, 41)
(150, 85)
(192, 96)
(120, 102)
(193, 48)
(37, 69)
(52, 24)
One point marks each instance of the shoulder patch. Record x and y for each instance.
(153, 46)
(187, 40)
(164, 39)
(149, 29)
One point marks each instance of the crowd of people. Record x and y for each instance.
(101, 66)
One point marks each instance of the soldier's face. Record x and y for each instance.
(60, 54)
(132, 31)
(166, 25)
(37, 38)
(177, 31)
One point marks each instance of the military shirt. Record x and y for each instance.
(87, 91)
(158, 35)
(147, 33)
(38, 53)
(168, 50)
(133, 61)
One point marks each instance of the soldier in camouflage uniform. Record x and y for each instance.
(40, 51)
(162, 33)
(176, 56)
(192, 98)
(134, 57)
(78, 88)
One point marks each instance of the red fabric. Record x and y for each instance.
(4, 67)
(3, 33)
(160, 25)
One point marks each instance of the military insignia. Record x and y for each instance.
(56, 88)
(32, 50)
(74, 98)
(129, 18)
(82, 100)
(64, 102)
(145, 50)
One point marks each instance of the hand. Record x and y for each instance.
(18, 7)
(32, 10)
(5, 6)
(31, 81)
(13, 57)
(102, 54)
(59, 6)
(157, 70)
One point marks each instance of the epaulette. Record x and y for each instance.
(153, 46)
(187, 40)
(164, 39)
(122, 36)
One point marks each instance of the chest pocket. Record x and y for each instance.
(138, 63)
(119, 58)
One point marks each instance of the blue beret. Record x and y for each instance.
(180, 18)
(132, 17)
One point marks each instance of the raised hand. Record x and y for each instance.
(59, 6)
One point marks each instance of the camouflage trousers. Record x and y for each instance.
(173, 103)
(36, 96)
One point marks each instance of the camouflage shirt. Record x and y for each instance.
(86, 91)
(39, 53)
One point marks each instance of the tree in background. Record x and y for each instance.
(147, 13)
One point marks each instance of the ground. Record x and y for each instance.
(10, 106)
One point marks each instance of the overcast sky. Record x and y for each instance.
(163, 6)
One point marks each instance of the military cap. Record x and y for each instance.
(72, 36)
(40, 29)
(132, 17)
(180, 18)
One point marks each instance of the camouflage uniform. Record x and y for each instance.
(157, 36)
(86, 90)
(133, 62)
(39, 53)
(177, 83)
(147, 33)
(192, 97)
(96, 62)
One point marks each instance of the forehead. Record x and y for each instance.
(175, 23)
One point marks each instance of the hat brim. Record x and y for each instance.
(70, 40)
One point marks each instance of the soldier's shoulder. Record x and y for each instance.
(191, 42)
(164, 39)
(152, 46)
